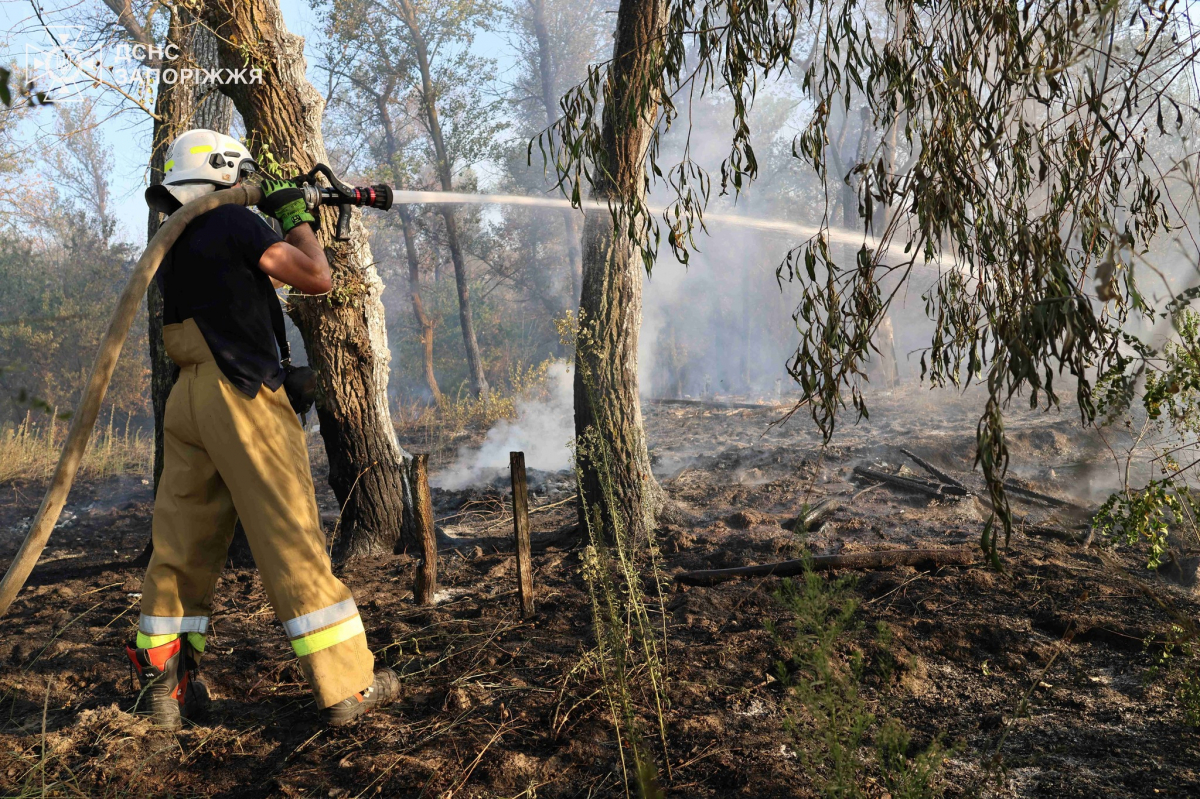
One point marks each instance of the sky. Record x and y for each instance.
(23, 41)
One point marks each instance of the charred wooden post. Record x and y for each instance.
(425, 585)
(520, 505)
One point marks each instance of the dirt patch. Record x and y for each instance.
(499, 706)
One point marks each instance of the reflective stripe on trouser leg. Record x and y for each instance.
(323, 628)
(168, 625)
(150, 641)
(315, 642)
(197, 640)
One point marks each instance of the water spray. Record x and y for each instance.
(383, 197)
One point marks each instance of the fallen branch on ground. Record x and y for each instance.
(1049, 500)
(938, 490)
(815, 516)
(1071, 537)
(935, 471)
(880, 559)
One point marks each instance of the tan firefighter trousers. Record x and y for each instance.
(227, 456)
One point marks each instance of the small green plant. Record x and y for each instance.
(623, 577)
(1178, 664)
(630, 649)
(1138, 514)
(827, 713)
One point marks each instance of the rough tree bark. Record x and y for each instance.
(608, 412)
(344, 332)
(408, 14)
(213, 110)
(550, 104)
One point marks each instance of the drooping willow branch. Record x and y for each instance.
(1029, 143)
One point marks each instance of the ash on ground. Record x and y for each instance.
(1051, 677)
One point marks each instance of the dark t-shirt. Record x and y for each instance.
(212, 276)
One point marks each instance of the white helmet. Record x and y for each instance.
(198, 162)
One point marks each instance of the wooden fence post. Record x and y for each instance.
(520, 501)
(426, 583)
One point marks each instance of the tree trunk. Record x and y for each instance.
(479, 383)
(429, 98)
(179, 107)
(549, 102)
(174, 106)
(410, 244)
(344, 332)
(213, 110)
(612, 459)
(414, 287)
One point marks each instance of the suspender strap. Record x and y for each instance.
(285, 349)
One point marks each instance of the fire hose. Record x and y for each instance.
(336, 194)
(102, 370)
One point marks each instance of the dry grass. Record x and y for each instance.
(30, 449)
(435, 426)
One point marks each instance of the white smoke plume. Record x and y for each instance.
(543, 430)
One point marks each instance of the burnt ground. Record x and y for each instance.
(495, 706)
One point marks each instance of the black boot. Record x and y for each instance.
(383, 691)
(164, 677)
(193, 694)
(170, 690)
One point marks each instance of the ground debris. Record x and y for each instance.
(499, 706)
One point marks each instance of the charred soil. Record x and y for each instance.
(1046, 678)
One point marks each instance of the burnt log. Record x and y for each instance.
(937, 490)
(880, 559)
(935, 471)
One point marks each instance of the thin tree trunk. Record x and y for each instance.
(410, 244)
(174, 106)
(612, 459)
(429, 100)
(479, 383)
(545, 72)
(344, 332)
(414, 287)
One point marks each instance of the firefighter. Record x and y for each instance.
(234, 449)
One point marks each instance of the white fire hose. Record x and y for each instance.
(102, 371)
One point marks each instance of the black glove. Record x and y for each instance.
(284, 200)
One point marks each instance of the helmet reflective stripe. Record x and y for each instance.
(208, 157)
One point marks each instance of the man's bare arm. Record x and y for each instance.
(298, 261)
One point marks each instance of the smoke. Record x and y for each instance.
(543, 430)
